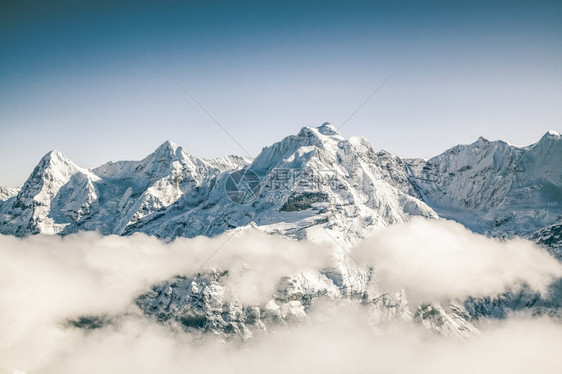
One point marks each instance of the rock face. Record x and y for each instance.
(202, 304)
(550, 237)
(499, 307)
(308, 185)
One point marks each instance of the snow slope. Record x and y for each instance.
(494, 187)
(7, 192)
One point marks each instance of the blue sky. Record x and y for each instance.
(77, 76)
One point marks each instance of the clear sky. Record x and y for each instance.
(79, 79)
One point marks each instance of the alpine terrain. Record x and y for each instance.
(315, 185)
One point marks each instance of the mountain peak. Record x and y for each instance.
(320, 132)
(53, 171)
(168, 147)
(552, 134)
(166, 150)
(54, 158)
(321, 137)
(550, 137)
(328, 129)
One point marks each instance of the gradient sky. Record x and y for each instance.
(77, 76)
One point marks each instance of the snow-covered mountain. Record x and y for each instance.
(494, 187)
(315, 185)
(7, 192)
(310, 180)
(306, 182)
(61, 198)
(201, 303)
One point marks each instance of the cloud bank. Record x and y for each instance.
(47, 280)
(440, 260)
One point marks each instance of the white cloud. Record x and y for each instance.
(46, 280)
(344, 345)
(441, 259)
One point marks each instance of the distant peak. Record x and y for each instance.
(482, 139)
(168, 147)
(53, 166)
(328, 129)
(169, 144)
(53, 153)
(54, 157)
(549, 137)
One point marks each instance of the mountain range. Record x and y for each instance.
(305, 186)
(315, 179)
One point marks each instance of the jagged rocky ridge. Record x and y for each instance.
(495, 187)
(201, 303)
(312, 184)
(316, 178)
(61, 198)
(313, 179)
